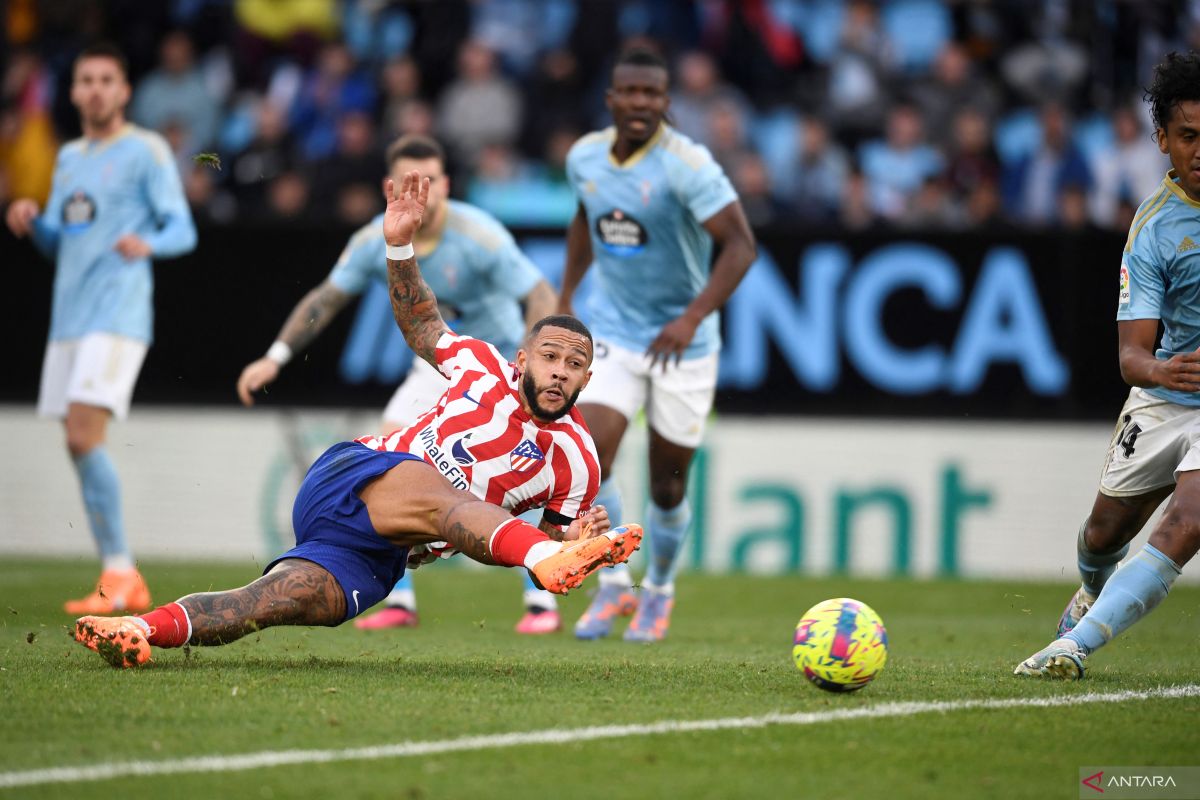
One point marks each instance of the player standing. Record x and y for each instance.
(1156, 447)
(480, 277)
(652, 204)
(508, 432)
(116, 202)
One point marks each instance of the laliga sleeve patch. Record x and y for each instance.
(1124, 296)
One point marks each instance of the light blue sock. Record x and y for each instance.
(102, 498)
(1095, 568)
(609, 496)
(666, 530)
(1130, 594)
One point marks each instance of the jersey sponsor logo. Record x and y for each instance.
(443, 463)
(78, 211)
(1123, 297)
(1186, 245)
(460, 452)
(620, 233)
(526, 456)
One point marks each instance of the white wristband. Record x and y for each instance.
(280, 353)
(401, 252)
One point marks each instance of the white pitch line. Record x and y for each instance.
(230, 763)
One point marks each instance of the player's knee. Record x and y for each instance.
(1106, 533)
(81, 441)
(667, 491)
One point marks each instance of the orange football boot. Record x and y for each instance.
(567, 568)
(116, 591)
(120, 641)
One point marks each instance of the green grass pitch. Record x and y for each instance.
(465, 673)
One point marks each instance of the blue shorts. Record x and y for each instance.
(333, 529)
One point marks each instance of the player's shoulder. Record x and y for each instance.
(1168, 213)
(476, 225)
(683, 151)
(150, 143)
(596, 144)
(72, 148)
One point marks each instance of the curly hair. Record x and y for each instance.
(1177, 79)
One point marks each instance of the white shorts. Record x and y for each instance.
(418, 393)
(99, 369)
(677, 400)
(1155, 440)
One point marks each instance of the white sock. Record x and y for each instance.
(540, 552)
(402, 598)
(540, 598)
(121, 562)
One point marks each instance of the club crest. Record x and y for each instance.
(525, 456)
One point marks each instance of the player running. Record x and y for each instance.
(481, 279)
(116, 202)
(507, 432)
(1155, 449)
(652, 204)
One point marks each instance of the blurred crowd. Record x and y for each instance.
(929, 114)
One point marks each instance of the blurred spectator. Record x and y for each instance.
(1033, 184)
(983, 206)
(519, 192)
(480, 107)
(268, 156)
(400, 84)
(175, 93)
(1073, 208)
(932, 207)
(210, 202)
(727, 137)
(899, 165)
(855, 212)
(416, 117)
(269, 29)
(752, 181)
(333, 88)
(347, 183)
(28, 146)
(858, 74)
(951, 86)
(287, 199)
(518, 30)
(972, 159)
(1050, 66)
(1129, 171)
(698, 90)
(821, 170)
(553, 100)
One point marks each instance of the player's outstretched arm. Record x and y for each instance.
(1140, 367)
(735, 253)
(413, 302)
(579, 258)
(310, 316)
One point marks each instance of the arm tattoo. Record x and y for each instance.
(415, 308)
(469, 543)
(312, 315)
(295, 592)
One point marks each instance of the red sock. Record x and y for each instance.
(169, 626)
(511, 542)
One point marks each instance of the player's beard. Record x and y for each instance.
(530, 390)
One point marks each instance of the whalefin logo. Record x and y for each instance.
(525, 456)
(461, 454)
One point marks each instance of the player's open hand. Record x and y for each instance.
(671, 342)
(1180, 372)
(255, 376)
(405, 208)
(592, 522)
(132, 247)
(21, 215)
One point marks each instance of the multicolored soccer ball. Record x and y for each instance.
(840, 645)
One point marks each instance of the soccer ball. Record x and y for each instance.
(840, 645)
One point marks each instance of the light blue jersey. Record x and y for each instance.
(1160, 275)
(103, 190)
(476, 271)
(651, 253)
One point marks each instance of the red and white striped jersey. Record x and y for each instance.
(481, 439)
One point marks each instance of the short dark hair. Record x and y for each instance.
(1176, 79)
(416, 147)
(104, 50)
(565, 321)
(641, 56)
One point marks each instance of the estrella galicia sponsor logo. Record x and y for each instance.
(1133, 783)
(78, 211)
(620, 233)
(445, 463)
(525, 456)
